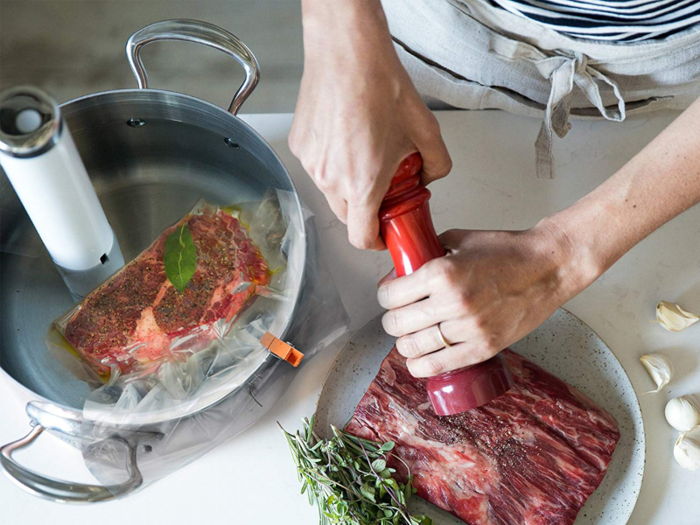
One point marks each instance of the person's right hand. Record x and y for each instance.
(358, 114)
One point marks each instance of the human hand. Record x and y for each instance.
(358, 114)
(492, 289)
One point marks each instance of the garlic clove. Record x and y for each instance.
(687, 449)
(682, 413)
(659, 368)
(673, 318)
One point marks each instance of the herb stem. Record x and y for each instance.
(390, 491)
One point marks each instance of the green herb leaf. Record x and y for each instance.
(367, 492)
(386, 447)
(180, 257)
(378, 465)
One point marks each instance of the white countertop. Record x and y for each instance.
(251, 479)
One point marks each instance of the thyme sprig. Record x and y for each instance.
(348, 479)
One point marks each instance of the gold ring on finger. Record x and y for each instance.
(442, 336)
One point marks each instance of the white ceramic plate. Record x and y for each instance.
(563, 345)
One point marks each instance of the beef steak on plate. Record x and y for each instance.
(533, 456)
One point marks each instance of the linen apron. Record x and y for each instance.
(469, 54)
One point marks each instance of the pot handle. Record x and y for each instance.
(64, 491)
(200, 33)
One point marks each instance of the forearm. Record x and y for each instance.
(658, 184)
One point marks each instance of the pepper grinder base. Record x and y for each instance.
(470, 387)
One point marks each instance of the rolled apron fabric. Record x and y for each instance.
(470, 54)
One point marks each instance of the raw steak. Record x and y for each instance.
(134, 319)
(530, 457)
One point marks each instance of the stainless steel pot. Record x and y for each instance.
(151, 155)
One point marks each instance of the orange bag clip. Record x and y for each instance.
(282, 349)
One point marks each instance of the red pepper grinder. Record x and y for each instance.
(408, 231)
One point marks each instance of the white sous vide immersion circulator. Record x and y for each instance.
(42, 163)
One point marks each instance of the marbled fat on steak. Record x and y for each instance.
(133, 319)
(530, 457)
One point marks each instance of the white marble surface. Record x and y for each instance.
(251, 480)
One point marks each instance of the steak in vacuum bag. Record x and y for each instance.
(533, 456)
(139, 319)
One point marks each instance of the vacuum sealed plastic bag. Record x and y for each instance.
(153, 342)
(171, 301)
(125, 456)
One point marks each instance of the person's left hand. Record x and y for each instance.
(492, 289)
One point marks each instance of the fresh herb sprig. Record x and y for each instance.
(347, 478)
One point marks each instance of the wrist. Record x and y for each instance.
(574, 264)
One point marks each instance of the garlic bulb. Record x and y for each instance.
(687, 449)
(682, 413)
(673, 318)
(660, 369)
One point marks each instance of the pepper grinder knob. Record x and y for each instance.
(408, 231)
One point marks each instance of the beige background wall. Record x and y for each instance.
(76, 47)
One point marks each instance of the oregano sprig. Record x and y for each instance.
(348, 479)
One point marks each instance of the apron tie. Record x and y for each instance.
(564, 73)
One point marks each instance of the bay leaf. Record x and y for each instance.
(180, 257)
